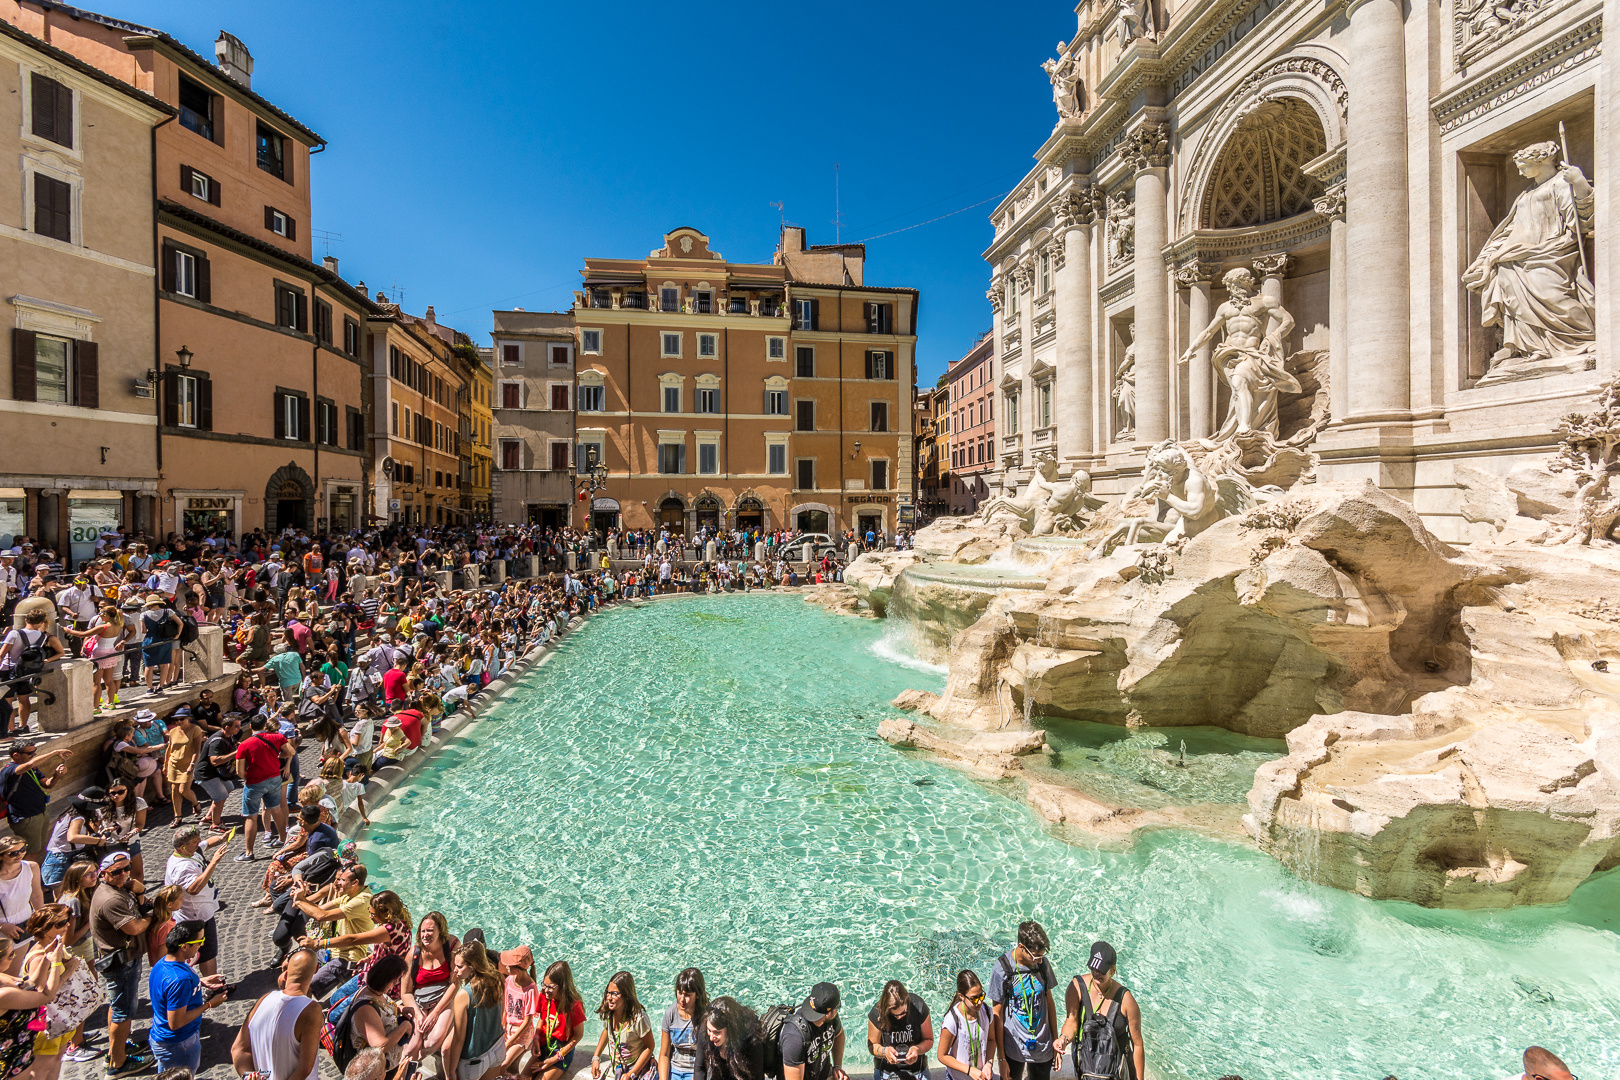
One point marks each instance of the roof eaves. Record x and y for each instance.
(137, 30)
(90, 70)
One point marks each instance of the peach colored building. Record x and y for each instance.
(418, 385)
(258, 347)
(76, 287)
(731, 395)
(971, 417)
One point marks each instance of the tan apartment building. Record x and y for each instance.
(477, 430)
(258, 347)
(534, 399)
(971, 414)
(76, 286)
(416, 386)
(729, 395)
(934, 453)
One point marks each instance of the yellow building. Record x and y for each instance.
(477, 429)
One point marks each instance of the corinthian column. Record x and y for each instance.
(1071, 258)
(1148, 148)
(1379, 294)
(1200, 379)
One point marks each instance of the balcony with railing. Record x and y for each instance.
(750, 303)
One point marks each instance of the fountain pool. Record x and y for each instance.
(697, 782)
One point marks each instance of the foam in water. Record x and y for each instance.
(896, 647)
(695, 782)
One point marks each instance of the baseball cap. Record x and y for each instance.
(823, 999)
(114, 859)
(327, 804)
(518, 957)
(1103, 957)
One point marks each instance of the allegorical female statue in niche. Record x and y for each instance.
(1530, 275)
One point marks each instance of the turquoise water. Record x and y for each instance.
(696, 782)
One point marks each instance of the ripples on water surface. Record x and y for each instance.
(697, 782)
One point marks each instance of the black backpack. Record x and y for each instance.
(770, 1026)
(31, 661)
(188, 630)
(1098, 1055)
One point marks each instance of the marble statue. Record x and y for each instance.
(1134, 21)
(1188, 500)
(1048, 505)
(1121, 228)
(1125, 387)
(1250, 359)
(1064, 71)
(1531, 275)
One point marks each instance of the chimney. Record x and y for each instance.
(234, 60)
(431, 321)
(330, 262)
(360, 287)
(792, 239)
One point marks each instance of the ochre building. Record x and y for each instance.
(730, 395)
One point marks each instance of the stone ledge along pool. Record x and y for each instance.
(698, 783)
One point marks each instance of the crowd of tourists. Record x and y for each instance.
(352, 653)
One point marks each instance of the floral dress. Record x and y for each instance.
(16, 1039)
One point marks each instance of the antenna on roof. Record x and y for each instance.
(781, 210)
(838, 213)
(327, 239)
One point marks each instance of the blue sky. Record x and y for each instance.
(478, 152)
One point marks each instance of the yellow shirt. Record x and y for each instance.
(355, 919)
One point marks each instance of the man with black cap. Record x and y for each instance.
(813, 1038)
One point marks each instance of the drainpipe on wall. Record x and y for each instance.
(157, 343)
(315, 407)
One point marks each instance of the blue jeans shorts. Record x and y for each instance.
(123, 988)
(266, 793)
(55, 867)
(184, 1053)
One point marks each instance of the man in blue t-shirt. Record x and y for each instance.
(179, 999)
(1021, 989)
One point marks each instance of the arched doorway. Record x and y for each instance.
(289, 499)
(672, 516)
(750, 513)
(708, 513)
(812, 521)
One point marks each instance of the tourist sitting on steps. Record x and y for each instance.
(1103, 1021)
(731, 1044)
(624, 1049)
(812, 1038)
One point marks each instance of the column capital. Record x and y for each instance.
(1331, 203)
(1057, 250)
(1273, 265)
(1189, 274)
(1080, 206)
(1148, 147)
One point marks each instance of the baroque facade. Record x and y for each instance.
(1421, 201)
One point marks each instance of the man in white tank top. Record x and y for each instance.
(282, 1033)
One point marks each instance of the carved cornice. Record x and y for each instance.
(1479, 26)
(1147, 147)
(1529, 72)
(1191, 273)
(1221, 247)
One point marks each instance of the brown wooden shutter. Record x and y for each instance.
(186, 172)
(53, 208)
(23, 385)
(64, 115)
(205, 281)
(171, 398)
(292, 227)
(269, 218)
(44, 104)
(815, 314)
(213, 191)
(303, 313)
(169, 272)
(869, 363)
(281, 415)
(303, 419)
(87, 373)
(205, 403)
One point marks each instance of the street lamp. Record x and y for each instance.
(184, 355)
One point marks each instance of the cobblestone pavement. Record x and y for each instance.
(246, 954)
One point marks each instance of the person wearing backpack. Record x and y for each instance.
(24, 652)
(812, 1038)
(281, 1035)
(1103, 1022)
(160, 628)
(1021, 989)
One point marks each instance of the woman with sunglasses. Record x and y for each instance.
(21, 893)
(77, 994)
(964, 1038)
(20, 1002)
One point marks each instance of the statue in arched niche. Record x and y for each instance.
(1250, 359)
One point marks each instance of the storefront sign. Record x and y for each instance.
(606, 505)
(211, 502)
(393, 504)
(873, 498)
(908, 515)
